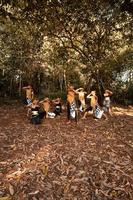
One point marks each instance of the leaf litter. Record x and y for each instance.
(91, 160)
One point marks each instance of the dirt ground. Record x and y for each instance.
(91, 160)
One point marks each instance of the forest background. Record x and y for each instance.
(49, 43)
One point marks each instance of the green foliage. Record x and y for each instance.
(123, 93)
(50, 43)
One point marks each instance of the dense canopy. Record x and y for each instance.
(49, 43)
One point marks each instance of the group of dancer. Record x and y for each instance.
(79, 104)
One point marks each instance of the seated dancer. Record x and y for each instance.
(81, 96)
(36, 115)
(46, 105)
(57, 106)
(107, 102)
(71, 104)
(29, 93)
(93, 100)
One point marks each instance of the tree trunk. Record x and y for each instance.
(11, 86)
(61, 81)
(98, 83)
(20, 85)
(89, 83)
(65, 80)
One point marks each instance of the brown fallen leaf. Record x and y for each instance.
(5, 198)
(57, 182)
(34, 193)
(16, 174)
(44, 170)
(11, 189)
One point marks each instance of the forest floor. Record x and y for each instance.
(91, 160)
